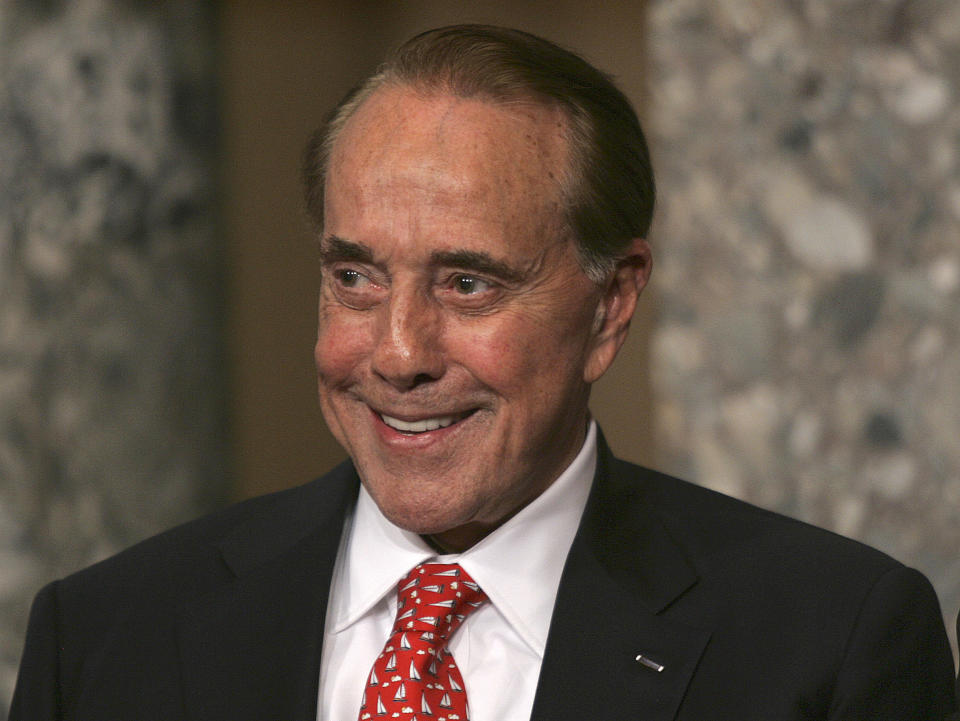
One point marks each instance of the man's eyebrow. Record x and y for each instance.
(334, 248)
(478, 262)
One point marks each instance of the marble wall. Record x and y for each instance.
(111, 423)
(808, 239)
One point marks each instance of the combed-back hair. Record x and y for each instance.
(608, 190)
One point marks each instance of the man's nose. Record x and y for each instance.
(408, 348)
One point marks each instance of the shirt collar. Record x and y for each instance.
(518, 565)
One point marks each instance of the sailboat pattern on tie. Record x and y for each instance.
(415, 677)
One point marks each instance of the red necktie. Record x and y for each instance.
(415, 676)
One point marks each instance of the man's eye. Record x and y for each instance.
(469, 285)
(349, 278)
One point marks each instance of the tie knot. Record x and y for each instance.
(436, 598)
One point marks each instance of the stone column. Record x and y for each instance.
(111, 385)
(808, 357)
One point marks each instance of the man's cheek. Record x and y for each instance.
(342, 344)
(335, 359)
(491, 349)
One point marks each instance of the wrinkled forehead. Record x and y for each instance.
(474, 145)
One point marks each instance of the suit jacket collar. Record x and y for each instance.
(250, 648)
(623, 571)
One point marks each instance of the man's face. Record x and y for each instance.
(455, 342)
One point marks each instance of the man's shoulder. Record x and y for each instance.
(189, 558)
(807, 616)
(720, 533)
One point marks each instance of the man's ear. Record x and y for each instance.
(616, 306)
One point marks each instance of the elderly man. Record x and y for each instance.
(482, 204)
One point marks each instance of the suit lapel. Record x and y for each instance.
(622, 571)
(251, 648)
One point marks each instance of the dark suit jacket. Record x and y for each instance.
(752, 616)
(956, 715)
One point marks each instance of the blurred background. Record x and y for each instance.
(799, 346)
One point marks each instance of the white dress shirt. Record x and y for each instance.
(499, 648)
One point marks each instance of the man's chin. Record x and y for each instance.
(429, 518)
(420, 521)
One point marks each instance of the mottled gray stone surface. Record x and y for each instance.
(808, 248)
(111, 421)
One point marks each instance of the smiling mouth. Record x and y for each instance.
(425, 424)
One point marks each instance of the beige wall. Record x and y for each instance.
(283, 66)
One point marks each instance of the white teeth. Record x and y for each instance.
(427, 424)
